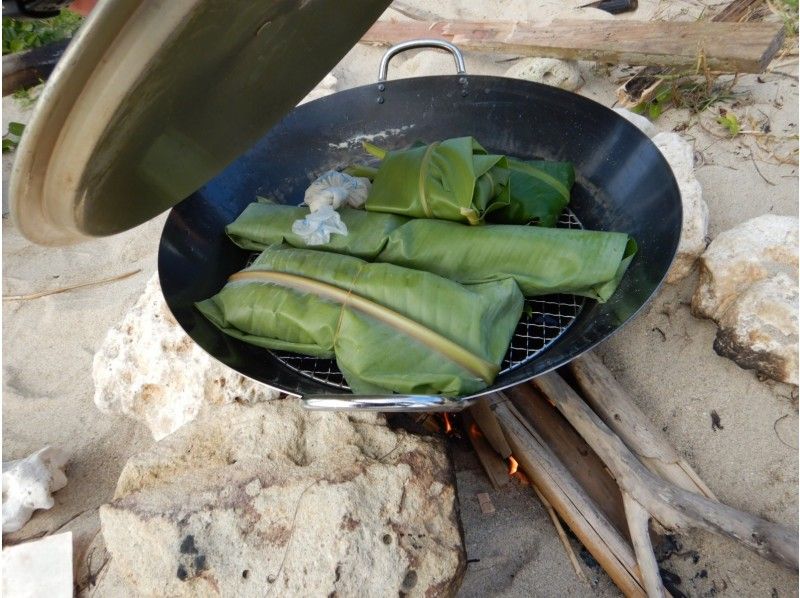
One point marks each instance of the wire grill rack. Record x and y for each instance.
(544, 319)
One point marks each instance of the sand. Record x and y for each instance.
(664, 357)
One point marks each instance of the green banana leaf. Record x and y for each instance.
(389, 328)
(455, 179)
(458, 180)
(541, 260)
(265, 223)
(539, 192)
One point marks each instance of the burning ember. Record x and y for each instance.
(513, 466)
(515, 472)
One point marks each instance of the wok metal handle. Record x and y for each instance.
(407, 403)
(458, 57)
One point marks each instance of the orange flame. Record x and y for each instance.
(475, 431)
(448, 425)
(512, 465)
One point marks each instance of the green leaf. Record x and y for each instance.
(15, 128)
(730, 122)
(459, 180)
(541, 260)
(390, 328)
(11, 139)
(539, 192)
(654, 111)
(25, 34)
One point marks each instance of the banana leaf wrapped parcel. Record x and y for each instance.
(457, 179)
(541, 260)
(389, 328)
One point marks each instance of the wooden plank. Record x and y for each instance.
(732, 47)
(573, 451)
(644, 84)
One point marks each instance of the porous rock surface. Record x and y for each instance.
(749, 286)
(694, 229)
(270, 499)
(149, 369)
(564, 74)
(28, 484)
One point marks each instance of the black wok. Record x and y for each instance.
(623, 183)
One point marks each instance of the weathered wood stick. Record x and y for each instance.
(561, 534)
(572, 451)
(638, 525)
(673, 507)
(643, 85)
(496, 469)
(620, 413)
(730, 47)
(570, 501)
(487, 422)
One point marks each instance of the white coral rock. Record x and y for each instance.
(28, 484)
(749, 286)
(679, 153)
(564, 74)
(149, 369)
(639, 121)
(272, 498)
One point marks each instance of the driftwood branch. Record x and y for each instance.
(481, 411)
(561, 535)
(600, 537)
(673, 507)
(639, 527)
(620, 413)
(496, 469)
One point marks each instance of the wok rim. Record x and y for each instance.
(441, 403)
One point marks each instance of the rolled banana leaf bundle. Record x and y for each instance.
(457, 179)
(541, 260)
(391, 329)
(266, 223)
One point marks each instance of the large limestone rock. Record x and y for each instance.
(272, 499)
(749, 286)
(565, 74)
(694, 230)
(149, 369)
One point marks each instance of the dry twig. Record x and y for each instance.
(70, 288)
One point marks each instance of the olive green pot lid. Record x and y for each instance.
(153, 99)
